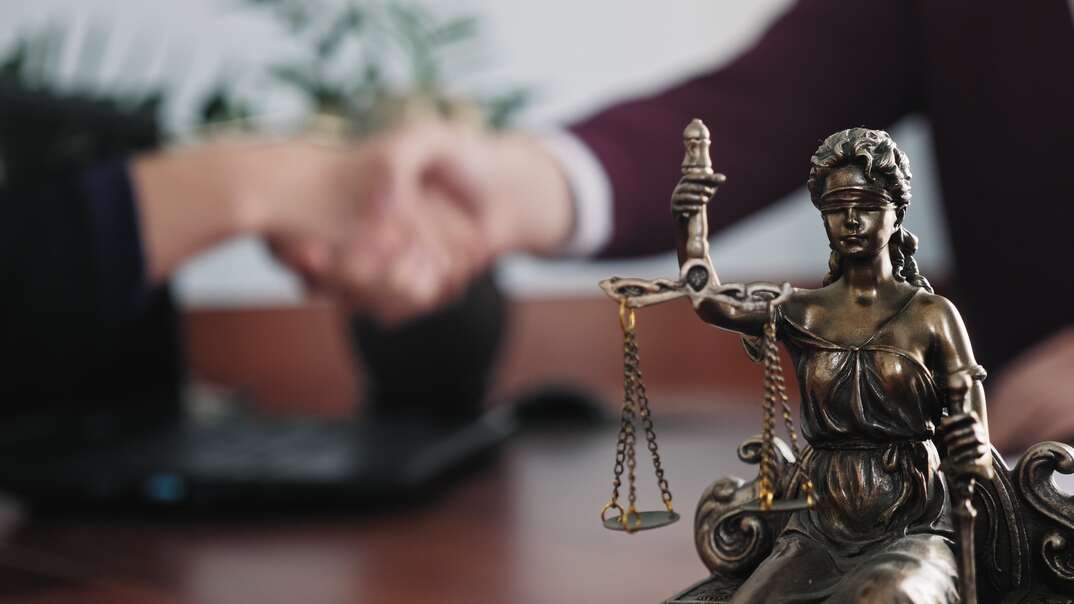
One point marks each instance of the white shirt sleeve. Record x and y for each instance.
(590, 189)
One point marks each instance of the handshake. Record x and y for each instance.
(392, 227)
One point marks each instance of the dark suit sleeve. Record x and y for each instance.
(78, 314)
(824, 66)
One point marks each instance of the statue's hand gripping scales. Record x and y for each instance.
(697, 278)
(697, 186)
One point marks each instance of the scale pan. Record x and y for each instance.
(779, 505)
(643, 521)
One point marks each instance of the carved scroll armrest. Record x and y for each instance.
(731, 541)
(1048, 514)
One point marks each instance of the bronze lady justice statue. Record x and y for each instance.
(882, 363)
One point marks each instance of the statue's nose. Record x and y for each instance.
(852, 219)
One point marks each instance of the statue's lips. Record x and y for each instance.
(853, 240)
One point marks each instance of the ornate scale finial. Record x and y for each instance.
(696, 140)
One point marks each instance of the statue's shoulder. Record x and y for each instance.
(936, 311)
(806, 306)
(805, 296)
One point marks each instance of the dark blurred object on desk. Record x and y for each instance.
(439, 364)
(442, 365)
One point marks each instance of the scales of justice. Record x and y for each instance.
(895, 495)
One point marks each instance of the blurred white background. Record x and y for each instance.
(575, 57)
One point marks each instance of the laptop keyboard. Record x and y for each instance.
(255, 449)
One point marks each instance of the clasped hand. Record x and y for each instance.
(694, 191)
(968, 453)
(400, 224)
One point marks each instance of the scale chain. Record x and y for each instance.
(774, 370)
(641, 399)
(635, 408)
(776, 389)
(767, 486)
(631, 463)
(626, 426)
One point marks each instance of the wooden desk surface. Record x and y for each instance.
(298, 358)
(524, 530)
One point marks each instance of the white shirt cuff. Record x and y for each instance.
(591, 192)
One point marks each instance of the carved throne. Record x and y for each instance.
(1024, 530)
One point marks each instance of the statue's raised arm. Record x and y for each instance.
(739, 307)
(690, 199)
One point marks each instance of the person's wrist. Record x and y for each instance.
(290, 189)
(537, 196)
(185, 204)
(244, 193)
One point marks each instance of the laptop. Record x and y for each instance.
(425, 420)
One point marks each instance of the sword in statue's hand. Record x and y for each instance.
(968, 460)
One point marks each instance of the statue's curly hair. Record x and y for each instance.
(882, 164)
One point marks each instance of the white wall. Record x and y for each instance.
(576, 55)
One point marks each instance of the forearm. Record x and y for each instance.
(978, 406)
(534, 197)
(692, 234)
(727, 317)
(187, 202)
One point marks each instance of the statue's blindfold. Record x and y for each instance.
(862, 198)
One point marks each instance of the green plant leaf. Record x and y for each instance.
(347, 25)
(501, 108)
(455, 30)
(296, 76)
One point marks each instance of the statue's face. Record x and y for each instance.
(856, 223)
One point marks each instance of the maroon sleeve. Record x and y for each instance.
(823, 66)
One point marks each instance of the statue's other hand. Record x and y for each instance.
(694, 191)
(968, 454)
